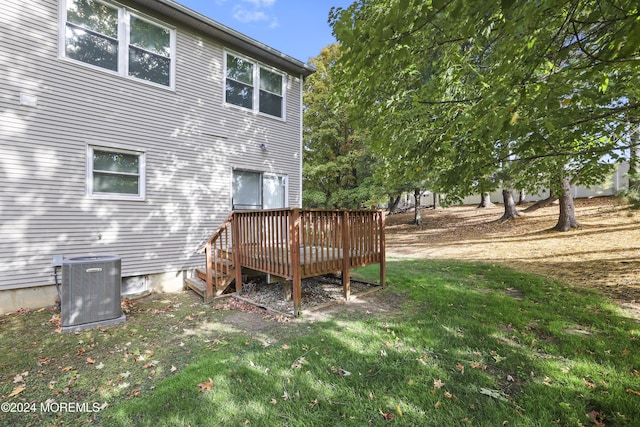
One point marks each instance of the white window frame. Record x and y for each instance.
(285, 180)
(257, 66)
(124, 36)
(142, 174)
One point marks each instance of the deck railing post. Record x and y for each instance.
(346, 256)
(209, 290)
(294, 227)
(383, 255)
(236, 251)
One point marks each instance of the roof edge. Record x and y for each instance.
(227, 34)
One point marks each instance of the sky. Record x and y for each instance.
(297, 28)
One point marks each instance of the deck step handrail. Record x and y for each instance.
(219, 260)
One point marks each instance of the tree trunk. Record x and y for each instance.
(485, 201)
(417, 219)
(567, 216)
(393, 203)
(634, 157)
(510, 211)
(522, 198)
(436, 201)
(541, 204)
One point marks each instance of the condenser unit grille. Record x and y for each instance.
(90, 292)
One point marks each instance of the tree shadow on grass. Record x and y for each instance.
(453, 345)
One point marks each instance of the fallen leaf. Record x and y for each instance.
(343, 373)
(437, 404)
(16, 391)
(90, 361)
(173, 368)
(450, 396)
(478, 365)
(18, 379)
(437, 383)
(67, 368)
(100, 365)
(629, 390)
(387, 415)
(273, 401)
(371, 396)
(398, 410)
(460, 367)
(493, 393)
(596, 418)
(588, 383)
(205, 385)
(285, 346)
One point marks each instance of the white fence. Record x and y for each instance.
(616, 183)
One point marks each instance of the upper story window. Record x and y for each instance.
(113, 38)
(115, 173)
(252, 86)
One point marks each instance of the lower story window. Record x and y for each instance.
(258, 190)
(115, 173)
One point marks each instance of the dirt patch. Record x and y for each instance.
(603, 253)
(321, 292)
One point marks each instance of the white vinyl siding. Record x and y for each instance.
(190, 141)
(253, 86)
(110, 37)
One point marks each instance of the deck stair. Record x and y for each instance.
(219, 272)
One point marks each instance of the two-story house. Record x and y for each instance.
(134, 128)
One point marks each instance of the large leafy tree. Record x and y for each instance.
(538, 92)
(338, 168)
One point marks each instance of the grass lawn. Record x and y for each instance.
(447, 344)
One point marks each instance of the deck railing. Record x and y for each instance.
(264, 240)
(299, 243)
(218, 254)
(294, 244)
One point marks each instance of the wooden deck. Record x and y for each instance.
(292, 244)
